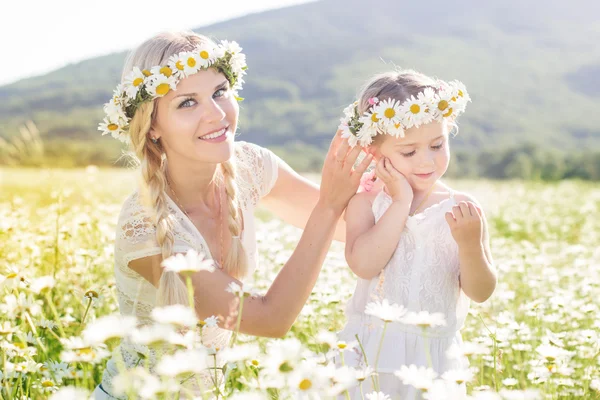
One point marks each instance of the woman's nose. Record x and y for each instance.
(212, 112)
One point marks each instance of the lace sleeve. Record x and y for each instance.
(258, 171)
(136, 233)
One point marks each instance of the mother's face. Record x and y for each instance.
(198, 120)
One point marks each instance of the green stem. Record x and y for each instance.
(379, 352)
(190, 288)
(86, 312)
(238, 323)
(427, 350)
(37, 339)
(362, 349)
(55, 313)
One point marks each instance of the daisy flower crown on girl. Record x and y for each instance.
(393, 118)
(141, 86)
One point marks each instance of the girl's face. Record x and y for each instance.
(198, 120)
(422, 155)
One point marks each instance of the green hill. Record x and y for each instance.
(532, 69)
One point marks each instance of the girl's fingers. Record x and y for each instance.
(450, 219)
(464, 207)
(457, 212)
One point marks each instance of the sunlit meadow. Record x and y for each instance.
(537, 337)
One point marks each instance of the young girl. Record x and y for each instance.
(411, 239)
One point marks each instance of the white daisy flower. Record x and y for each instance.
(235, 288)
(388, 111)
(443, 105)
(307, 379)
(133, 82)
(283, 356)
(191, 262)
(92, 355)
(377, 396)
(42, 283)
(177, 65)
(167, 71)
(458, 376)
(211, 322)
(178, 315)
(184, 361)
(443, 390)
(418, 377)
(206, 55)
(385, 311)
(249, 396)
(191, 63)
(159, 85)
(241, 352)
(108, 327)
(551, 353)
(424, 319)
(428, 97)
(413, 112)
(114, 110)
(396, 130)
(111, 127)
(70, 393)
(461, 95)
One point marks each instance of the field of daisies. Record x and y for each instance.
(536, 338)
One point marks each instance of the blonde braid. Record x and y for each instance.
(171, 289)
(236, 262)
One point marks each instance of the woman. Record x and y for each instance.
(199, 190)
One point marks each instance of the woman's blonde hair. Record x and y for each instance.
(398, 85)
(153, 163)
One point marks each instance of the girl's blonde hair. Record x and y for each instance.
(153, 163)
(398, 85)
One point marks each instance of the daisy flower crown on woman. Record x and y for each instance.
(141, 86)
(393, 118)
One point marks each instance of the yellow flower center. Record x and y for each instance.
(86, 351)
(146, 73)
(11, 275)
(179, 65)
(191, 62)
(342, 345)
(112, 127)
(415, 108)
(460, 93)
(454, 99)
(255, 363)
(137, 82)
(449, 113)
(204, 54)
(162, 89)
(166, 71)
(305, 384)
(389, 113)
(285, 367)
(47, 384)
(374, 117)
(442, 105)
(92, 293)
(397, 125)
(20, 345)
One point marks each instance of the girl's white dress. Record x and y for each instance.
(422, 275)
(135, 238)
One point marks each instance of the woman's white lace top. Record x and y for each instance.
(135, 238)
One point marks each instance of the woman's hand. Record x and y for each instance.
(396, 184)
(340, 180)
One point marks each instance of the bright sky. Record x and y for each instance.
(46, 35)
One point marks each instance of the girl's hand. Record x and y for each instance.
(466, 224)
(396, 184)
(339, 181)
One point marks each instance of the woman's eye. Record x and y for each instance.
(412, 153)
(187, 103)
(220, 93)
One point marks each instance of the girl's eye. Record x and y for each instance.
(437, 147)
(187, 103)
(412, 153)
